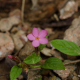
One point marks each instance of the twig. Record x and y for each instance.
(71, 62)
(4, 74)
(66, 22)
(23, 5)
(16, 53)
(35, 69)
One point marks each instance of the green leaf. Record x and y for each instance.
(79, 71)
(66, 47)
(41, 46)
(53, 63)
(15, 72)
(32, 59)
(46, 37)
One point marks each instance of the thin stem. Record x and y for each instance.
(35, 69)
(22, 15)
(4, 74)
(71, 62)
(38, 66)
(37, 51)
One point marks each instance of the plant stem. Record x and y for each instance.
(38, 66)
(35, 69)
(37, 51)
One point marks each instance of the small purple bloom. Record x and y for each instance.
(38, 37)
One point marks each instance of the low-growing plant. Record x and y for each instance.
(39, 41)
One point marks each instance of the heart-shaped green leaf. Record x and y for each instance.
(32, 59)
(53, 63)
(15, 72)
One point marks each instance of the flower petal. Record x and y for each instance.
(30, 37)
(42, 33)
(35, 43)
(43, 41)
(10, 56)
(35, 32)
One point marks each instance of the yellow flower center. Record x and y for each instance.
(37, 38)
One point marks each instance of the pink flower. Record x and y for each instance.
(11, 57)
(38, 37)
(14, 58)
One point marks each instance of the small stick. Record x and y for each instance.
(4, 74)
(71, 62)
(66, 22)
(23, 5)
(35, 69)
(16, 53)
